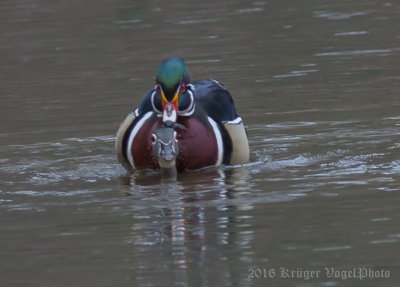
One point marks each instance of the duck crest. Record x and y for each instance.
(172, 71)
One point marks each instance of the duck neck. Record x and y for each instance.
(168, 172)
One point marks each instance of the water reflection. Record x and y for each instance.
(182, 218)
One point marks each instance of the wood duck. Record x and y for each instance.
(184, 125)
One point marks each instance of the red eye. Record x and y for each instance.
(183, 87)
(158, 89)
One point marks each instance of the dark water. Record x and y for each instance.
(318, 84)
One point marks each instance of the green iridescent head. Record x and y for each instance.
(171, 73)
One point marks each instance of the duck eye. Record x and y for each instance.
(158, 89)
(183, 88)
(153, 138)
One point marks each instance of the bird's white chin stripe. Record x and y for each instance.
(134, 131)
(218, 137)
(166, 164)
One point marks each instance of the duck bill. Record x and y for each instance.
(174, 101)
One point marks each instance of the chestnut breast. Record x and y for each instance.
(198, 143)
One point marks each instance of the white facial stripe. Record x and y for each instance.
(152, 102)
(218, 137)
(134, 131)
(179, 87)
(190, 110)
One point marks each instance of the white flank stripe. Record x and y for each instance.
(218, 136)
(134, 131)
(236, 121)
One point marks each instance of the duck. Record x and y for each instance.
(182, 125)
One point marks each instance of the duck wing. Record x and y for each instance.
(215, 100)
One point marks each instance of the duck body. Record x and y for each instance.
(209, 132)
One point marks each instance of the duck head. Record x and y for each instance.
(165, 146)
(173, 88)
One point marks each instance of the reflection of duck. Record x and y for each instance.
(208, 129)
(204, 218)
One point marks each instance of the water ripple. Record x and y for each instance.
(250, 10)
(72, 159)
(338, 15)
(351, 33)
(336, 153)
(354, 53)
(199, 21)
(332, 248)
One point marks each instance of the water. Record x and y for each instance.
(317, 84)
